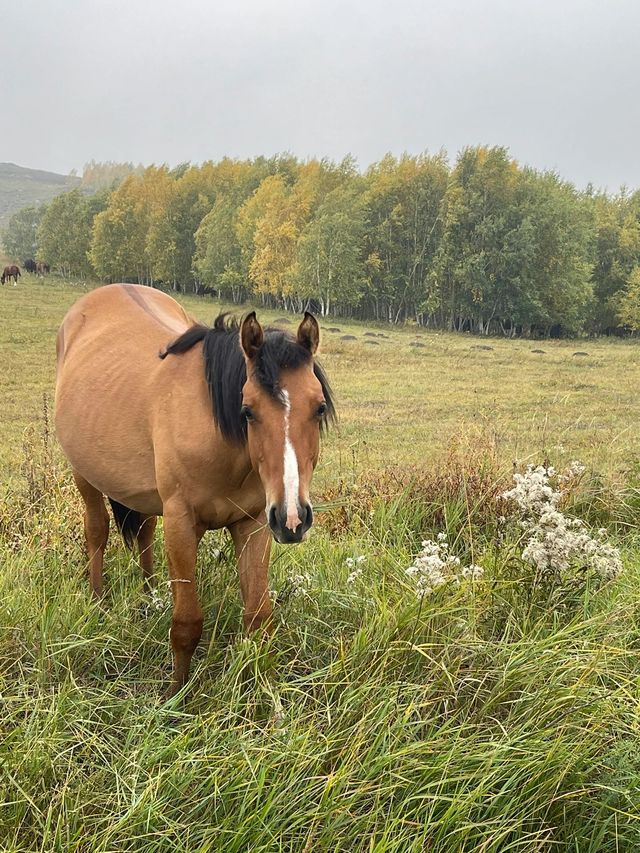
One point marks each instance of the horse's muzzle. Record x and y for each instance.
(277, 516)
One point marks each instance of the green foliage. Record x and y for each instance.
(404, 199)
(19, 238)
(118, 245)
(170, 240)
(270, 225)
(65, 231)
(616, 225)
(329, 256)
(474, 256)
(628, 307)
(553, 287)
(484, 246)
(218, 255)
(515, 249)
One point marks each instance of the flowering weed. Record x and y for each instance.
(562, 549)
(435, 567)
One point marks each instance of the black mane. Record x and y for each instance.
(226, 373)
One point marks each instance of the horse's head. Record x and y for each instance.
(285, 401)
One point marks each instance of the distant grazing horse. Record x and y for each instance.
(30, 265)
(12, 272)
(208, 427)
(42, 268)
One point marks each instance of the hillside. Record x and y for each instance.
(20, 186)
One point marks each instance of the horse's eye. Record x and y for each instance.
(246, 412)
(321, 410)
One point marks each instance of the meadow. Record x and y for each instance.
(499, 711)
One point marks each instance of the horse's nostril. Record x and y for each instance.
(272, 517)
(306, 516)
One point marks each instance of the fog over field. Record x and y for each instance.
(156, 81)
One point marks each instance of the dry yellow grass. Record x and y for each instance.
(398, 403)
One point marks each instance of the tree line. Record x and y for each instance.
(482, 245)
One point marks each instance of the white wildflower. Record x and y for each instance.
(572, 472)
(472, 572)
(557, 545)
(434, 567)
(353, 577)
(299, 584)
(532, 490)
(159, 601)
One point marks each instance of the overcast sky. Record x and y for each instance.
(556, 81)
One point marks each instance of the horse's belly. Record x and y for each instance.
(148, 503)
(106, 441)
(128, 478)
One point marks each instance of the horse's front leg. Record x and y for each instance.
(182, 536)
(252, 539)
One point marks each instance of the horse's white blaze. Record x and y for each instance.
(291, 475)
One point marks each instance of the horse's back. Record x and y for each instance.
(111, 311)
(108, 388)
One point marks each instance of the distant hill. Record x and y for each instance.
(20, 186)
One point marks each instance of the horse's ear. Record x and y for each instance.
(251, 336)
(309, 333)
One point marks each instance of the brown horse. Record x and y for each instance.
(42, 268)
(208, 427)
(12, 272)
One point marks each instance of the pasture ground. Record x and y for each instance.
(402, 397)
(502, 715)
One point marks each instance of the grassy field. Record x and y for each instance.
(402, 398)
(500, 712)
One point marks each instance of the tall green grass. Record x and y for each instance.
(480, 719)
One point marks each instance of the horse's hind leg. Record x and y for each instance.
(145, 547)
(96, 530)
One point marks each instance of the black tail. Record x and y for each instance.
(127, 520)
